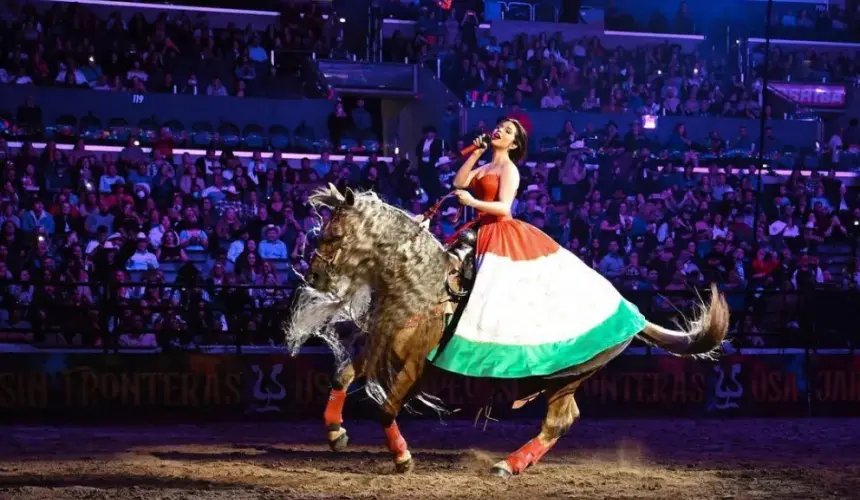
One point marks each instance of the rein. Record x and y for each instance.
(431, 212)
(455, 293)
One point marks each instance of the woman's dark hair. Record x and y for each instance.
(521, 140)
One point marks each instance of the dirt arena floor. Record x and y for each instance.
(599, 459)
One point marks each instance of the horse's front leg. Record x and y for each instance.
(399, 392)
(333, 415)
(413, 344)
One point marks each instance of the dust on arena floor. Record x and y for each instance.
(599, 459)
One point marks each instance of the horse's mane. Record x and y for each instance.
(408, 267)
(368, 203)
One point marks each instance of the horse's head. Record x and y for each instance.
(339, 265)
(337, 281)
(367, 248)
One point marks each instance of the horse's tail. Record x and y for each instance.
(701, 336)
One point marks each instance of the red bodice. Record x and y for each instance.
(486, 188)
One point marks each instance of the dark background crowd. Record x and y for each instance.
(68, 45)
(157, 248)
(825, 21)
(584, 75)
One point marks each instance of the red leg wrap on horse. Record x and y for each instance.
(529, 454)
(394, 440)
(543, 452)
(333, 414)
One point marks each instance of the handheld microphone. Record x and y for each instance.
(485, 140)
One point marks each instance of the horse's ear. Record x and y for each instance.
(334, 192)
(350, 197)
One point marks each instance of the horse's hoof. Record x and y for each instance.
(500, 472)
(339, 443)
(404, 467)
(502, 469)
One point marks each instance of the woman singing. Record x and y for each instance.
(535, 308)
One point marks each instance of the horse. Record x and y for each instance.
(380, 267)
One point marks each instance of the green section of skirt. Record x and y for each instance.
(483, 359)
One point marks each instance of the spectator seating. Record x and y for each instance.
(551, 199)
(189, 56)
(796, 20)
(143, 237)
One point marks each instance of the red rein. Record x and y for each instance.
(432, 211)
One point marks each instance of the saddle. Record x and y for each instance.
(461, 271)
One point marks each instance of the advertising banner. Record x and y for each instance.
(667, 385)
(98, 383)
(836, 383)
(811, 95)
(284, 387)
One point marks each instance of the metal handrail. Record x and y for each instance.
(530, 6)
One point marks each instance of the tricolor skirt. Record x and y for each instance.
(535, 309)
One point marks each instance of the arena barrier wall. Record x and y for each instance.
(277, 386)
(186, 108)
(548, 123)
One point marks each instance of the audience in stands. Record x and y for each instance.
(167, 222)
(583, 75)
(155, 248)
(574, 75)
(72, 47)
(832, 21)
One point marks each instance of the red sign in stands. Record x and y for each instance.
(811, 94)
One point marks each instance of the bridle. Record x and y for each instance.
(329, 261)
